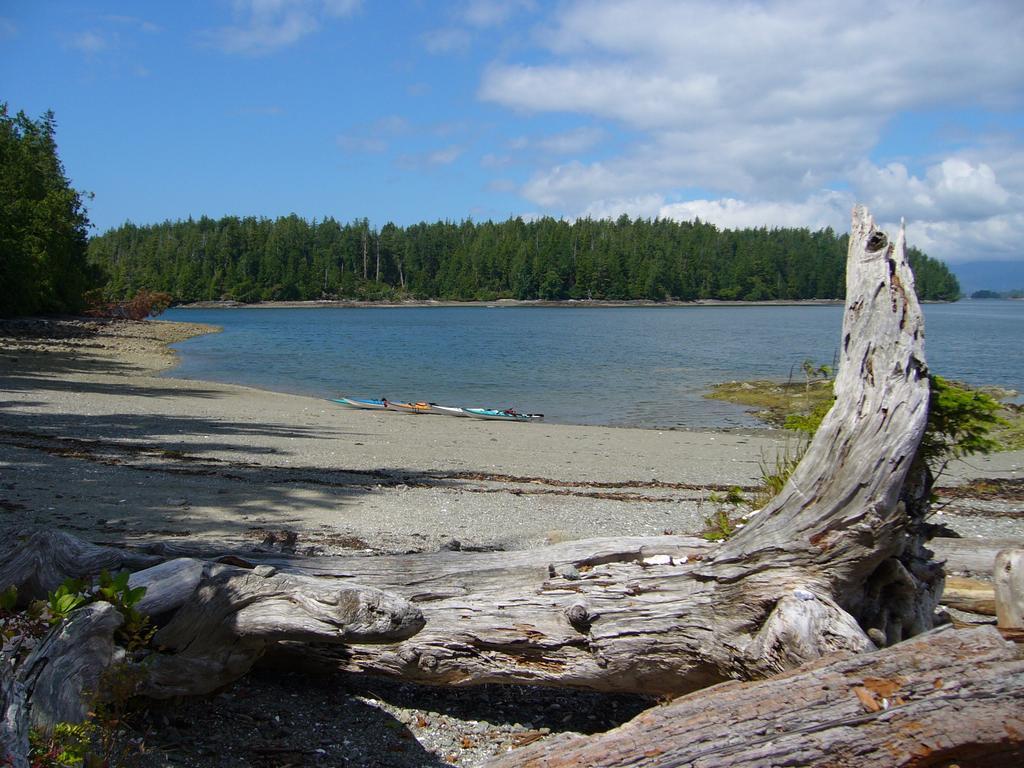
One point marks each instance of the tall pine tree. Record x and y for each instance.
(43, 224)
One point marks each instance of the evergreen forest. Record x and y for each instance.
(48, 263)
(258, 259)
(43, 224)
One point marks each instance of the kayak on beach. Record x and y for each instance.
(449, 410)
(507, 414)
(497, 414)
(419, 407)
(357, 402)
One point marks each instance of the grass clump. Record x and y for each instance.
(774, 402)
(724, 521)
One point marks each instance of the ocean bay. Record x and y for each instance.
(623, 366)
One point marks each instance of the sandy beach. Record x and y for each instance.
(95, 441)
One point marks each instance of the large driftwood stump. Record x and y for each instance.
(833, 563)
(946, 698)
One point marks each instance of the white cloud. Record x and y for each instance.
(572, 142)
(8, 29)
(642, 206)
(89, 43)
(449, 40)
(445, 156)
(825, 209)
(133, 21)
(773, 110)
(492, 13)
(264, 26)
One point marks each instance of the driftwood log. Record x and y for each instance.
(836, 562)
(946, 698)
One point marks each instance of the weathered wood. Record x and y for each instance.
(39, 562)
(834, 562)
(62, 674)
(971, 595)
(222, 618)
(168, 585)
(227, 623)
(971, 557)
(949, 697)
(1008, 575)
(14, 717)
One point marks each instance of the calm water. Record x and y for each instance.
(626, 366)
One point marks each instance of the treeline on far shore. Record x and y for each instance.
(257, 259)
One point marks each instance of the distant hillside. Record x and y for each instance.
(998, 276)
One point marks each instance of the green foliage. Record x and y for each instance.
(134, 633)
(8, 599)
(68, 745)
(136, 630)
(249, 259)
(72, 594)
(960, 422)
(720, 525)
(43, 224)
(808, 423)
(776, 470)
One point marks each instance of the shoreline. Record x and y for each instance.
(94, 439)
(499, 303)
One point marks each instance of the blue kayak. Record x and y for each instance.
(357, 402)
(507, 414)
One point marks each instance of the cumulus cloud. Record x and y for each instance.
(825, 209)
(774, 110)
(264, 26)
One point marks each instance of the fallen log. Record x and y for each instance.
(947, 697)
(971, 595)
(834, 562)
(970, 557)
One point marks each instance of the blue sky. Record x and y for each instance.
(745, 114)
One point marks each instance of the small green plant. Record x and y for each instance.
(68, 745)
(777, 469)
(960, 423)
(68, 596)
(808, 423)
(733, 496)
(8, 599)
(718, 526)
(135, 632)
(812, 372)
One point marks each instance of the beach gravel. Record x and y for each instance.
(94, 441)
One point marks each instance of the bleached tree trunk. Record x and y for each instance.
(950, 698)
(835, 562)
